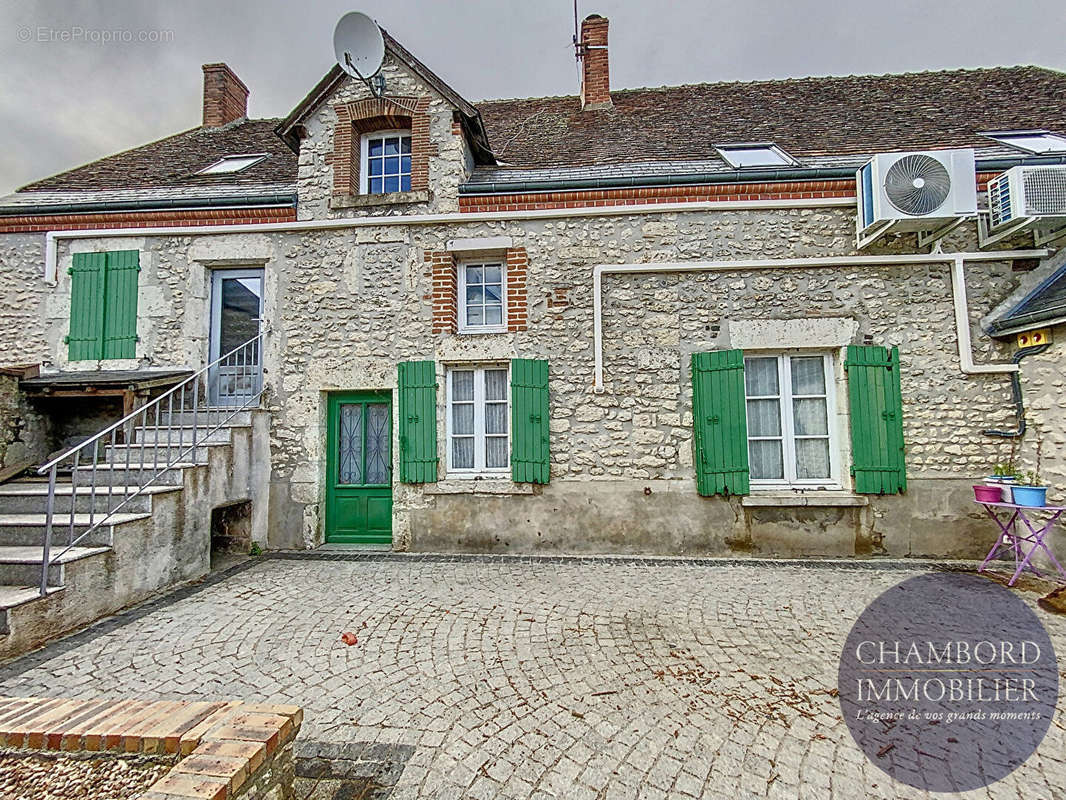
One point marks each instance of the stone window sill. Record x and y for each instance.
(478, 486)
(793, 499)
(374, 200)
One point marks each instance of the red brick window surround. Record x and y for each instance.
(378, 114)
(443, 270)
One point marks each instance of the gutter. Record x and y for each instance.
(730, 176)
(1002, 329)
(51, 238)
(958, 290)
(256, 201)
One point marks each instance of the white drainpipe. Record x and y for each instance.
(51, 272)
(958, 289)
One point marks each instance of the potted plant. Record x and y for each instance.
(999, 482)
(1030, 491)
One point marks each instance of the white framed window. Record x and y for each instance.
(482, 289)
(792, 438)
(479, 413)
(230, 164)
(385, 162)
(1038, 141)
(758, 154)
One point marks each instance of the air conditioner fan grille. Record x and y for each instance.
(917, 185)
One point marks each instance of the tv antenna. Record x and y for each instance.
(360, 50)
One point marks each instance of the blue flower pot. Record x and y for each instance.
(1030, 496)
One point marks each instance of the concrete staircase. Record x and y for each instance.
(158, 538)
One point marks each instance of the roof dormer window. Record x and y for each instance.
(757, 154)
(230, 164)
(1037, 142)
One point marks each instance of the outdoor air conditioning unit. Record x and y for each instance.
(1037, 194)
(919, 191)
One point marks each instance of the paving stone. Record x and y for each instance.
(526, 678)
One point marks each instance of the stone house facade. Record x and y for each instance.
(574, 324)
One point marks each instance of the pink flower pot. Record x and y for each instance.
(988, 494)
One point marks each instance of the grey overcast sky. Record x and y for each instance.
(77, 82)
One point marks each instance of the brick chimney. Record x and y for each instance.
(225, 96)
(595, 80)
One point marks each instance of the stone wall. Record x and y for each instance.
(23, 299)
(344, 306)
(25, 433)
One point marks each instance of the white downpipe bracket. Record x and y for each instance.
(51, 269)
(958, 289)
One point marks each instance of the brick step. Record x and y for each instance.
(136, 473)
(206, 417)
(11, 597)
(182, 435)
(30, 497)
(21, 565)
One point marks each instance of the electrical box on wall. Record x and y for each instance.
(1034, 338)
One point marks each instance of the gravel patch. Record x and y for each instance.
(41, 776)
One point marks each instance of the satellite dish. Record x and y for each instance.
(359, 46)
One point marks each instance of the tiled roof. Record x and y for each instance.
(191, 194)
(806, 117)
(173, 162)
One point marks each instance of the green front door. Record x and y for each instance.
(359, 468)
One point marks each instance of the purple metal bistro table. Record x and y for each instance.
(1011, 538)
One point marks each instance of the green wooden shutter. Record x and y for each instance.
(120, 306)
(720, 423)
(529, 421)
(417, 382)
(87, 293)
(876, 407)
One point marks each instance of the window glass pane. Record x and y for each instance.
(405, 144)
(405, 183)
(475, 315)
(493, 315)
(392, 146)
(463, 418)
(374, 166)
(350, 443)
(495, 384)
(496, 418)
(392, 166)
(475, 275)
(375, 185)
(496, 452)
(374, 147)
(474, 294)
(493, 273)
(760, 376)
(392, 184)
(764, 418)
(754, 157)
(463, 385)
(764, 457)
(405, 164)
(377, 443)
(492, 294)
(808, 375)
(463, 452)
(812, 458)
(810, 417)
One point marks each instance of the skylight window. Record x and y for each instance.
(1030, 141)
(230, 164)
(765, 154)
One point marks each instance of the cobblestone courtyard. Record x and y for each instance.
(527, 677)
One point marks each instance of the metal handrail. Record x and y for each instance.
(230, 384)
